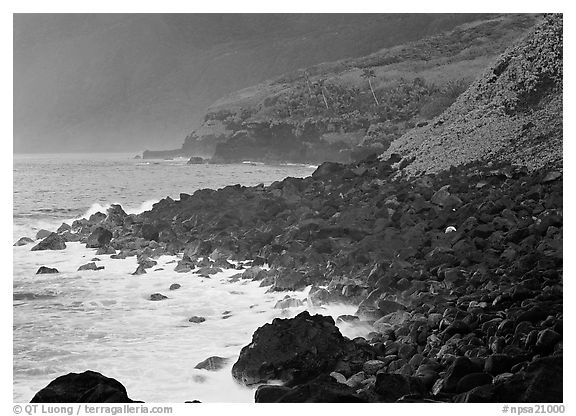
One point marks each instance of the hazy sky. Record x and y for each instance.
(105, 82)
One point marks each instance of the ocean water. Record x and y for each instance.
(102, 320)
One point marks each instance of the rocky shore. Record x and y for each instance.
(458, 269)
(460, 274)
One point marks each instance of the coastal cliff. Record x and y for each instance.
(449, 244)
(346, 110)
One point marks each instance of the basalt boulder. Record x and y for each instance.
(540, 382)
(51, 242)
(100, 237)
(323, 389)
(293, 350)
(86, 387)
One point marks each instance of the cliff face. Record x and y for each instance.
(348, 109)
(512, 112)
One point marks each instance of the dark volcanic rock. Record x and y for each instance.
(320, 390)
(90, 266)
(139, 270)
(270, 393)
(105, 250)
(100, 237)
(46, 270)
(42, 234)
(197, 319)
(51, 242)
(289, 280)
(390, 387)
(157, 296)
(195, 160)
(175, 286)
(22, 241)
(292, 350)
(540, 382)
(212, 363)
(87, 387)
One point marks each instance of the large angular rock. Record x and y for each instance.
(540, 382)
(212, 363)
(86, 387)
(390, 387)
(323, 389)
(22, 241)
(100, 237)
(293, 350)
(52, 242)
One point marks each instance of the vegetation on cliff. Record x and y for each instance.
(348, 109)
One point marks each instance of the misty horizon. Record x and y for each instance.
(129, 82)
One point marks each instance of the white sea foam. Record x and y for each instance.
(103, 321)
(97, 207)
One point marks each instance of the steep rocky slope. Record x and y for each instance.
(512, 112)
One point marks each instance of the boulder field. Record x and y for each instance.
(459, 273)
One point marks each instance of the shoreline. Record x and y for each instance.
(402, 267)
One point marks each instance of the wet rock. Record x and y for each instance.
(338, 377)
(289, 280)
(371, 367)
(157, 297)
(347, 318)
(87, 387)
(319, 296)
(444, 199)
(90, 266)
(288, 302)
(42, 234)
(356, 380)
(139, 270)
(175, 286)
(391, 387)
(327, 169)
(63, 228)
(214, 363)
(270, 393)
(149, 232)
(195, 160)
(185, 265)
(323, 389)
(52, 242)
(462, 366)
(470, 381)
(104, 250)
(292, 350)
(46, 270)
(22, 241)
(498, 363)
(547, 339)
(197, 319)
(208, 271)
(115, 216)
(551, 176)
(388, 306)
(100, 237)
(540, 382)
(147, 263)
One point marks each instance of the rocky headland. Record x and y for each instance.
(450, 245)
(346, 110)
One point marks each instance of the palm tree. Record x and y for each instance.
(369, 74)
(321, 83)
(307, 80)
